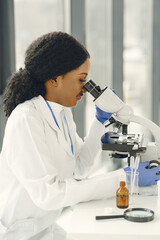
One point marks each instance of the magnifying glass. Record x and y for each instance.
(133, 215)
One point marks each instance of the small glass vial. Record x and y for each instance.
(122, 196)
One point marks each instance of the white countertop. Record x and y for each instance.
(80, 223)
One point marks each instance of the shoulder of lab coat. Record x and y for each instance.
(30, 164)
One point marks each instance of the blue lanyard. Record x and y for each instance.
(52, 114)
(58, 124)
(69, 133)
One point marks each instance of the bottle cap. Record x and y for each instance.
(122, 183)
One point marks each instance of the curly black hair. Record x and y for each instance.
(51, 55)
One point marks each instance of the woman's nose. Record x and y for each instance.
(83, 89)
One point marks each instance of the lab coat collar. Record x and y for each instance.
(57, 108)
(41, 106)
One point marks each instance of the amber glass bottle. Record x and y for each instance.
(122, 196)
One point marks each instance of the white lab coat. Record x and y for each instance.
(36, 172)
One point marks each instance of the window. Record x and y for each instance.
(33, 19)
(96, 43)
(135, 57)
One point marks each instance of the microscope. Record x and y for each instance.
(119, 141)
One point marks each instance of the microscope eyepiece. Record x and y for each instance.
(93, 89)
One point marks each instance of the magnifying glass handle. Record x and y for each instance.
(109, 217)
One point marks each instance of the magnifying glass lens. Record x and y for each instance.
(139, 214)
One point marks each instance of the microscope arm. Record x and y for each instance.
(154, 129)
(108, 101)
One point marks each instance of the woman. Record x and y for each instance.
(43, 158)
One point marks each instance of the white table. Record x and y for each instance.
(80, 223)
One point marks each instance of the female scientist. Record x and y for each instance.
(42, 157)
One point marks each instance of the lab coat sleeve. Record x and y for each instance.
(99, 187)
(28, 158)
(86, 151)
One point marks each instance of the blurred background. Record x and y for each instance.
(122, 36)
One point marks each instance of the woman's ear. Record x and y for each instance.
(57, 80)
(53, 81)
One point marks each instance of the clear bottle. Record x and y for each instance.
(122, 196)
